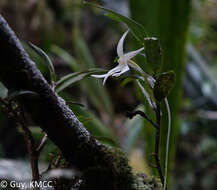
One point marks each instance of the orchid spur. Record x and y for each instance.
(124, 61)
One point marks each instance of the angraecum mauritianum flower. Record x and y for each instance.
(124, 61)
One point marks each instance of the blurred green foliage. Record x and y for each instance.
(78, 38)
(168, 21)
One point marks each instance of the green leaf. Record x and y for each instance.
(163, 85)
(82, 50)
(75, 103)
(92, 87)
(3, 91)
(69, 79)
(66, 57)
(47, 60)
(153, 54)
(107, 141)
(15, 94)
(93, 124)
(137, 29)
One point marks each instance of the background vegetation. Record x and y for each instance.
(78, 38)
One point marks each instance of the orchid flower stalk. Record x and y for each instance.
(124, 61)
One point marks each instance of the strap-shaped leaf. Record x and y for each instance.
(3, 91)
(96, 92)
(137, 29)
(47, 60)
(93, 124)
(75, 103)
(69, 79)
(69, 59)
(18, 93)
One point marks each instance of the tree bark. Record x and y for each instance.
(18, 72)
(50, 112)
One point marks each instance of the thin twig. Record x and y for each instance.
(32, 152)
(30, 144)
(42, 144)
(28, 138)
(57, 161)
(141, 113)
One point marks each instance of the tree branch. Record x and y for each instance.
(18, 71)
(50, 112)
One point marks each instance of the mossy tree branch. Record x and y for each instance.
(50, 112)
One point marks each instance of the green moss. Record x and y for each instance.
(121, 168)
(114, 173)
(147, 183)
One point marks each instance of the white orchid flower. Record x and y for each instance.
(124, 61)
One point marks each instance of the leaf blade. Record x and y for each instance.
(137, 29)
(69, 79)
(47, 60)
(3, 91)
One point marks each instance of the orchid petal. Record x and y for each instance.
(105, 76)
(132, 54)
(124, 69)
(111, 72)
(104, 80)
(99, 76)
(120, 49)
(115, 69)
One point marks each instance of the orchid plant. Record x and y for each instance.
(159, 88)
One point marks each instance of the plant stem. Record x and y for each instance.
(157, 142)
(157, 135)
(142, 114)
